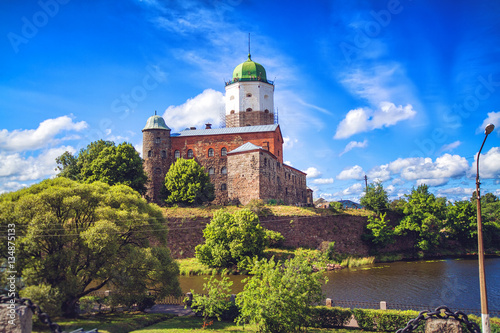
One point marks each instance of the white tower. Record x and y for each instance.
(249, 96)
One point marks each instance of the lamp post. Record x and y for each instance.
(485, 317)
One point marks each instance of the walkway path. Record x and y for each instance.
(171, 308)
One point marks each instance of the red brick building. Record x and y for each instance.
(244, 159)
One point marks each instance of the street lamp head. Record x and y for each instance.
(489, 128)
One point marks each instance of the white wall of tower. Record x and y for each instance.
(258, 96)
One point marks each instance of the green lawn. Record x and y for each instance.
(120, 322)
(194, 324)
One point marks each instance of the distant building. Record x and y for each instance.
(244, 159)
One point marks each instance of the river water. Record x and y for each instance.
(429, 283)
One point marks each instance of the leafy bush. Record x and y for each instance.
(215, 303)
(336, 206)
(384, 320)
(88, 303)
(274, 238)
(229, 238)
(278, 297)
(48, 298)
(258, 207)
(128, 300)
(382, 233)
(327, 317)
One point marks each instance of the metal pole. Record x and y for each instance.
(485, 317)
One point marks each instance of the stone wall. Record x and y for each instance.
(299, 231)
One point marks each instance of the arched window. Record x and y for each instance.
(177, 154)
(265, 161)
(157, 140)
(223, 151)
(249, 109)
(190, 153)
(223, 187)
(211, 171)
(163, 154)
(210, 152)
(150, 153)
(223, 170)
(266, 111)
(249, 95)
(231, 98)
(232, 112)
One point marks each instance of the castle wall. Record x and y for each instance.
(299, 231)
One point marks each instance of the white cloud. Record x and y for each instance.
(356, 172)
(312, 172)
(207, 107)
(45, 134)
(366, 119)
(322, 181)
(450, 146)
(288, 142)
(354, 144)
(288, 163)
(379, 173)
(489, 164)
(432, 181)
(493, 118)
(16, 170)
(354, 189)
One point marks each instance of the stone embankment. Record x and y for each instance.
(299, 231)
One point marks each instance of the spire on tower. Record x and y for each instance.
(249, 55)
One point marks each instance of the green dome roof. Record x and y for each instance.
(156, 122)
(250, 70)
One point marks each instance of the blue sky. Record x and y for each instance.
(396, 90)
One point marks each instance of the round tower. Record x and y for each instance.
(157, 155)
(249, 96)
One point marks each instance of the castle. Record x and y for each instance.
(244, 160)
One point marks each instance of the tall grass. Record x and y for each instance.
(356, 262)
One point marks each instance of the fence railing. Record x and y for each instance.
(397, 306)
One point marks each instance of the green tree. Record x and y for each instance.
(375, 198)
(424, 217)
(336, 206)
(461, 222)
(215, 301)
(77, 238)
(382, 233)
(186, 182)
(278, 296)
(230, 238)
(104, 161)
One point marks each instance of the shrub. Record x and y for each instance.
(336, 206)
(258, 207)
(274, 238)
(326, 317)
(48, 298)
(215, 303)
(384, 320)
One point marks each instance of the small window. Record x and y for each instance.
(177, 154)
(157, 171)
(211, 171)
(232, 112)
(223, 171)
(249, 109)
(266, 96)
(231, 98)
(190, 153)
(157, 140)
(266, 111)
(223, 151)
(163, 154)
(211, 152)
(265, 161)
(223, 187)
(249, 95)
(150, 153)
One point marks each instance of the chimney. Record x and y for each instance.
(208, 126)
